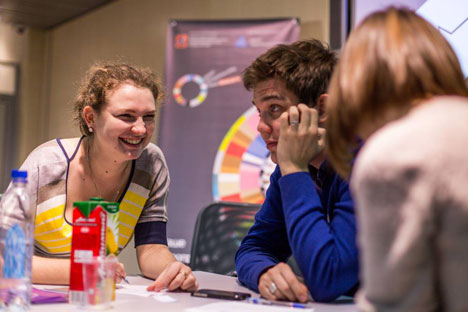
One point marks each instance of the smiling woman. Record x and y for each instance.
(115, 160)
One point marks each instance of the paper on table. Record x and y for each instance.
(47, 296)
(229, 306)
(58, 289)
(163, 297)
(136, 290)
(140, 290)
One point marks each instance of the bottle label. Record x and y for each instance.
(15, 253)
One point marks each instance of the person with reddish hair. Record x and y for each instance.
(113, 159)
(399, 88)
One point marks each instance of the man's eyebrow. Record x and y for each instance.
(272, 97)
(126, 110)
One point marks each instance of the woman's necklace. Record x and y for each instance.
(115, 197)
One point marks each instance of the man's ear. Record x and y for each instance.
(321, 108)
(88, 115)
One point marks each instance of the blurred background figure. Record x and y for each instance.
(399, 87)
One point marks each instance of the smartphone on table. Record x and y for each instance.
(220, 294)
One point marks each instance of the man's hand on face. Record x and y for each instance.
(280, 283)
(300, 139)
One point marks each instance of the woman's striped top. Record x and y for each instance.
(143, 201)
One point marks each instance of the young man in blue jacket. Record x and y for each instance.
(308, 211)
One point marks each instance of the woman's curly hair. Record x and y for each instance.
(102, 79)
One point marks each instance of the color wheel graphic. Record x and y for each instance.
(211, 79)
(242, 168)
(177, 90)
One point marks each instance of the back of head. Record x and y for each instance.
(391, 62)
(304, 66)
(103, 79)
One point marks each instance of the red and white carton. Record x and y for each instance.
(88, 241)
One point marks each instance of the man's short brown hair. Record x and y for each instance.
(304, 66)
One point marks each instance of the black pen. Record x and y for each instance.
(125, 279)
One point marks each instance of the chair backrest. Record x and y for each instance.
(219, 230)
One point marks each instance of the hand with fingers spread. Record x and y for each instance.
(300, 139)
(280, 283)
(175, 276)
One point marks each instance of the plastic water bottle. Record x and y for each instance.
(16, 245)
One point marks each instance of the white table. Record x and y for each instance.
(126, 303)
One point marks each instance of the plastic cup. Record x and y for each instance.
(99, 281)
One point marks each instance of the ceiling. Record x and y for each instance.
(45, 14)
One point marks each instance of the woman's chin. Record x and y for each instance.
(130, 151)
(132, 155)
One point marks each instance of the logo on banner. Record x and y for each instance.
(241, 42)
(181, 41)
(210, 80)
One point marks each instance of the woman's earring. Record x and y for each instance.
(90, 129)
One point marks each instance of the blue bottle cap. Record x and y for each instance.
(19, 174)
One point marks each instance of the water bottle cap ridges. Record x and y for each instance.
(19, 174)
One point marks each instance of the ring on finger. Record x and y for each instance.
(184, 273)
(272, 288)
(294, 122)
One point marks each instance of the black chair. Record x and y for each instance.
(219, 230)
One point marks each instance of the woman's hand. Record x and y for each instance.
(119, 272)
(280, 283)
(175, 276)
(300, 139)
